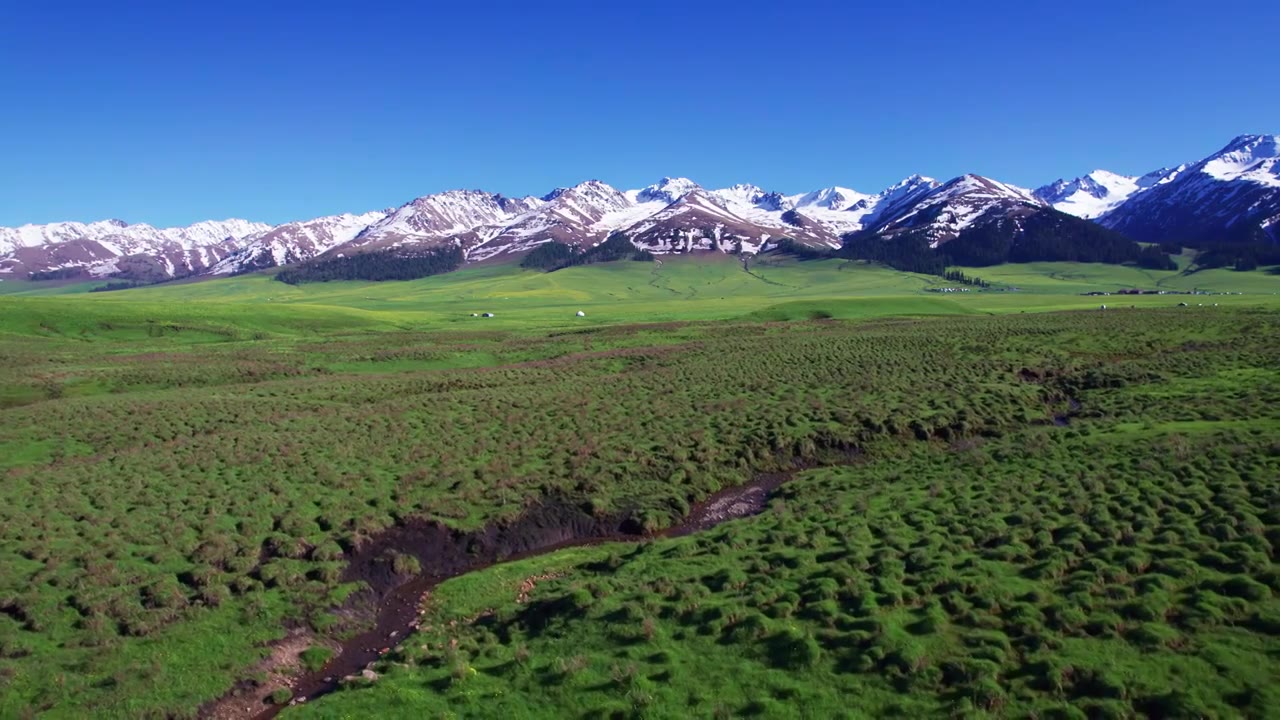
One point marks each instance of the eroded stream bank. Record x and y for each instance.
(443, 553)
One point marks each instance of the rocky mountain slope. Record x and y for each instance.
(294, 242)
(1232, 195)
(941, 213)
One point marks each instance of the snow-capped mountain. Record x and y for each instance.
(443, 216)
(941, 213)
(826, 209)
(1090, 195)
(106, 247)
(674, 214)
(748, 195)
(1233, 194)
(128, 238)
(295, 242)
(568, 215)
(892, 200)
(665, 191)
(832, 198)
(724, 221)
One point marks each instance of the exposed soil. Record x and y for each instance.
(281, 668)
(444, 553)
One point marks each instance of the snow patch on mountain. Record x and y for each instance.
(439, 216)
(893, 199)
(99, 247)
(1231, 193)
(1101, 191)
(123, 238)
(1089, 196)
(294, 242)
(667, 190)
(832, 198)
(942, 212)
(1252, 158)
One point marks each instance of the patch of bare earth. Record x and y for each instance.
(530, 583)
(281, 668)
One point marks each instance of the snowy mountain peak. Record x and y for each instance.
(1233, 193)
(582, 188)
(1091, 195)
(1248, 157)
(775, 202)
(1252, 143)
(444, 214)
(295, 241)
(831, 198)
(124, 238)
(941, 212)
(1106, 176)
(668, 190)
(911, 182)
(741, 194)
(969, 184)
(99, 248)
(1163, 175)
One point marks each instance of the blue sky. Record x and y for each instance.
(169, 113)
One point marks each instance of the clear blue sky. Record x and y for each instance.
(172, 112)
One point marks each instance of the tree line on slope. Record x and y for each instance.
(376, 265)
(554, 256)
(1044, 236)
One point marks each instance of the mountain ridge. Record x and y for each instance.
(1232, 193)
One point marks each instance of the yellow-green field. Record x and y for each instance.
(685, 288)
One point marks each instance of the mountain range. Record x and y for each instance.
(1233, 195)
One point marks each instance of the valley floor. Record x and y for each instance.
(1052, 509)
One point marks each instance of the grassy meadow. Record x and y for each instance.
(677, 289)
(188, 468)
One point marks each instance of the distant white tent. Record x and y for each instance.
(581, 314)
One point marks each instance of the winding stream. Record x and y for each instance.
(446, 554)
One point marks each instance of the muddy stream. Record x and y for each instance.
(444, 554)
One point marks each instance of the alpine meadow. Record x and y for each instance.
(616, 361)
(991, 502)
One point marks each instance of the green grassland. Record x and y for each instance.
(1088, 578)
(686, 288)
(186, 469)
